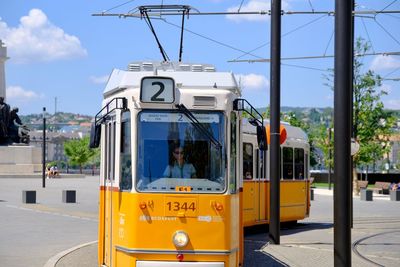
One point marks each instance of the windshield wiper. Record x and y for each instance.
(199, 126)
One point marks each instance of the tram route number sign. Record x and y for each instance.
(157, 89)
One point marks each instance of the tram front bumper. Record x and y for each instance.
(178, 264)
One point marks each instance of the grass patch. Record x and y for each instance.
(322, 185)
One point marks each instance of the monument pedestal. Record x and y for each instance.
(20, 159)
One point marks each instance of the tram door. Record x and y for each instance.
(254, 173)
(109, 181)
(261, 170)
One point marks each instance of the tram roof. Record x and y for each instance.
(196, 76)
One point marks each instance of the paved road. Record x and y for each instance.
(32, 234)
(310, 243)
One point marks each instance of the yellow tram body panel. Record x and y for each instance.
(144, 234)
(294, 199)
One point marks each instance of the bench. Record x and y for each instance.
(381, 187)
(311, 182)
(362, 184)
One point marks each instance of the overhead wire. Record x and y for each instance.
(389, 5)
(366, 31)
(329, 42)
(312, 8)
(117, 6)
(209, 38)
(383, 28)
(390, 73)
(240, 6)
(283, 35)
(304, 67)
(287, 33)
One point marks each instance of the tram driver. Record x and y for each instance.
(177, 167)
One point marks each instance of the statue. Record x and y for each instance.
(17, 132)
(11, 128)
(4, 121)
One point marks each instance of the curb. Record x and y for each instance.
(38, 176)
(53, 260)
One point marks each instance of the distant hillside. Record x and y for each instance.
(316, 115)
(309, 114)
(58, 118)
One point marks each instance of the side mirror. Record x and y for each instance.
(262, 138)
(95, 133)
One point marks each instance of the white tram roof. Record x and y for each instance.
(186, 75)
(293, 132)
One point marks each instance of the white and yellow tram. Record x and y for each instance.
(172, 139)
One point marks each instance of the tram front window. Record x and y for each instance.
(175, 155)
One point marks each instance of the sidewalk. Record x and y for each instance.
(375, 236)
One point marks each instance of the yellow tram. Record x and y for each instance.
(172, 139)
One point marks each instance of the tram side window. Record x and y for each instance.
(306, 165)
(247, 161)
(126, 154)
(110, 150)
(287, 163)
(299, 163)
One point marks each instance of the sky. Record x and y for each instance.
(60, 55)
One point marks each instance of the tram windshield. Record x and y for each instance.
(174, 155)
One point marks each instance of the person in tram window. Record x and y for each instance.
(248, 176)
(177, 167)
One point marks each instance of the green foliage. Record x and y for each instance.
(79, 153)
(371, 123)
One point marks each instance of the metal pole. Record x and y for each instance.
(353, 133)
(44, 150)
(275, 99)
(342, 126)
(330, 157)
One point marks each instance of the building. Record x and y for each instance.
(54, 143)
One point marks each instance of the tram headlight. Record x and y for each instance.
(180, 239)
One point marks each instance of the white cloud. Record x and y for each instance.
(37, 39)
(384, 63)
(253, 81)
(392, 104)
(253, 5)
(99, 79)
(18, 94)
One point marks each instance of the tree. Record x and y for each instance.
(78, 152)
(297, 120)
(371, 124)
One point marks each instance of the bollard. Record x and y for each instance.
(394, 195)
(312, 194)
(366, 195)
(29, 197)
(69, 196)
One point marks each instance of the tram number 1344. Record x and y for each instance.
(181, 206)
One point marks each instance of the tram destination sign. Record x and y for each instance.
(157, 89)
(177, 117)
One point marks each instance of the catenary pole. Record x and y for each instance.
(44, 150)
(342, 101)
(352, 128)
(275, 99)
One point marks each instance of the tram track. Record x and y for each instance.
(358, 242)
